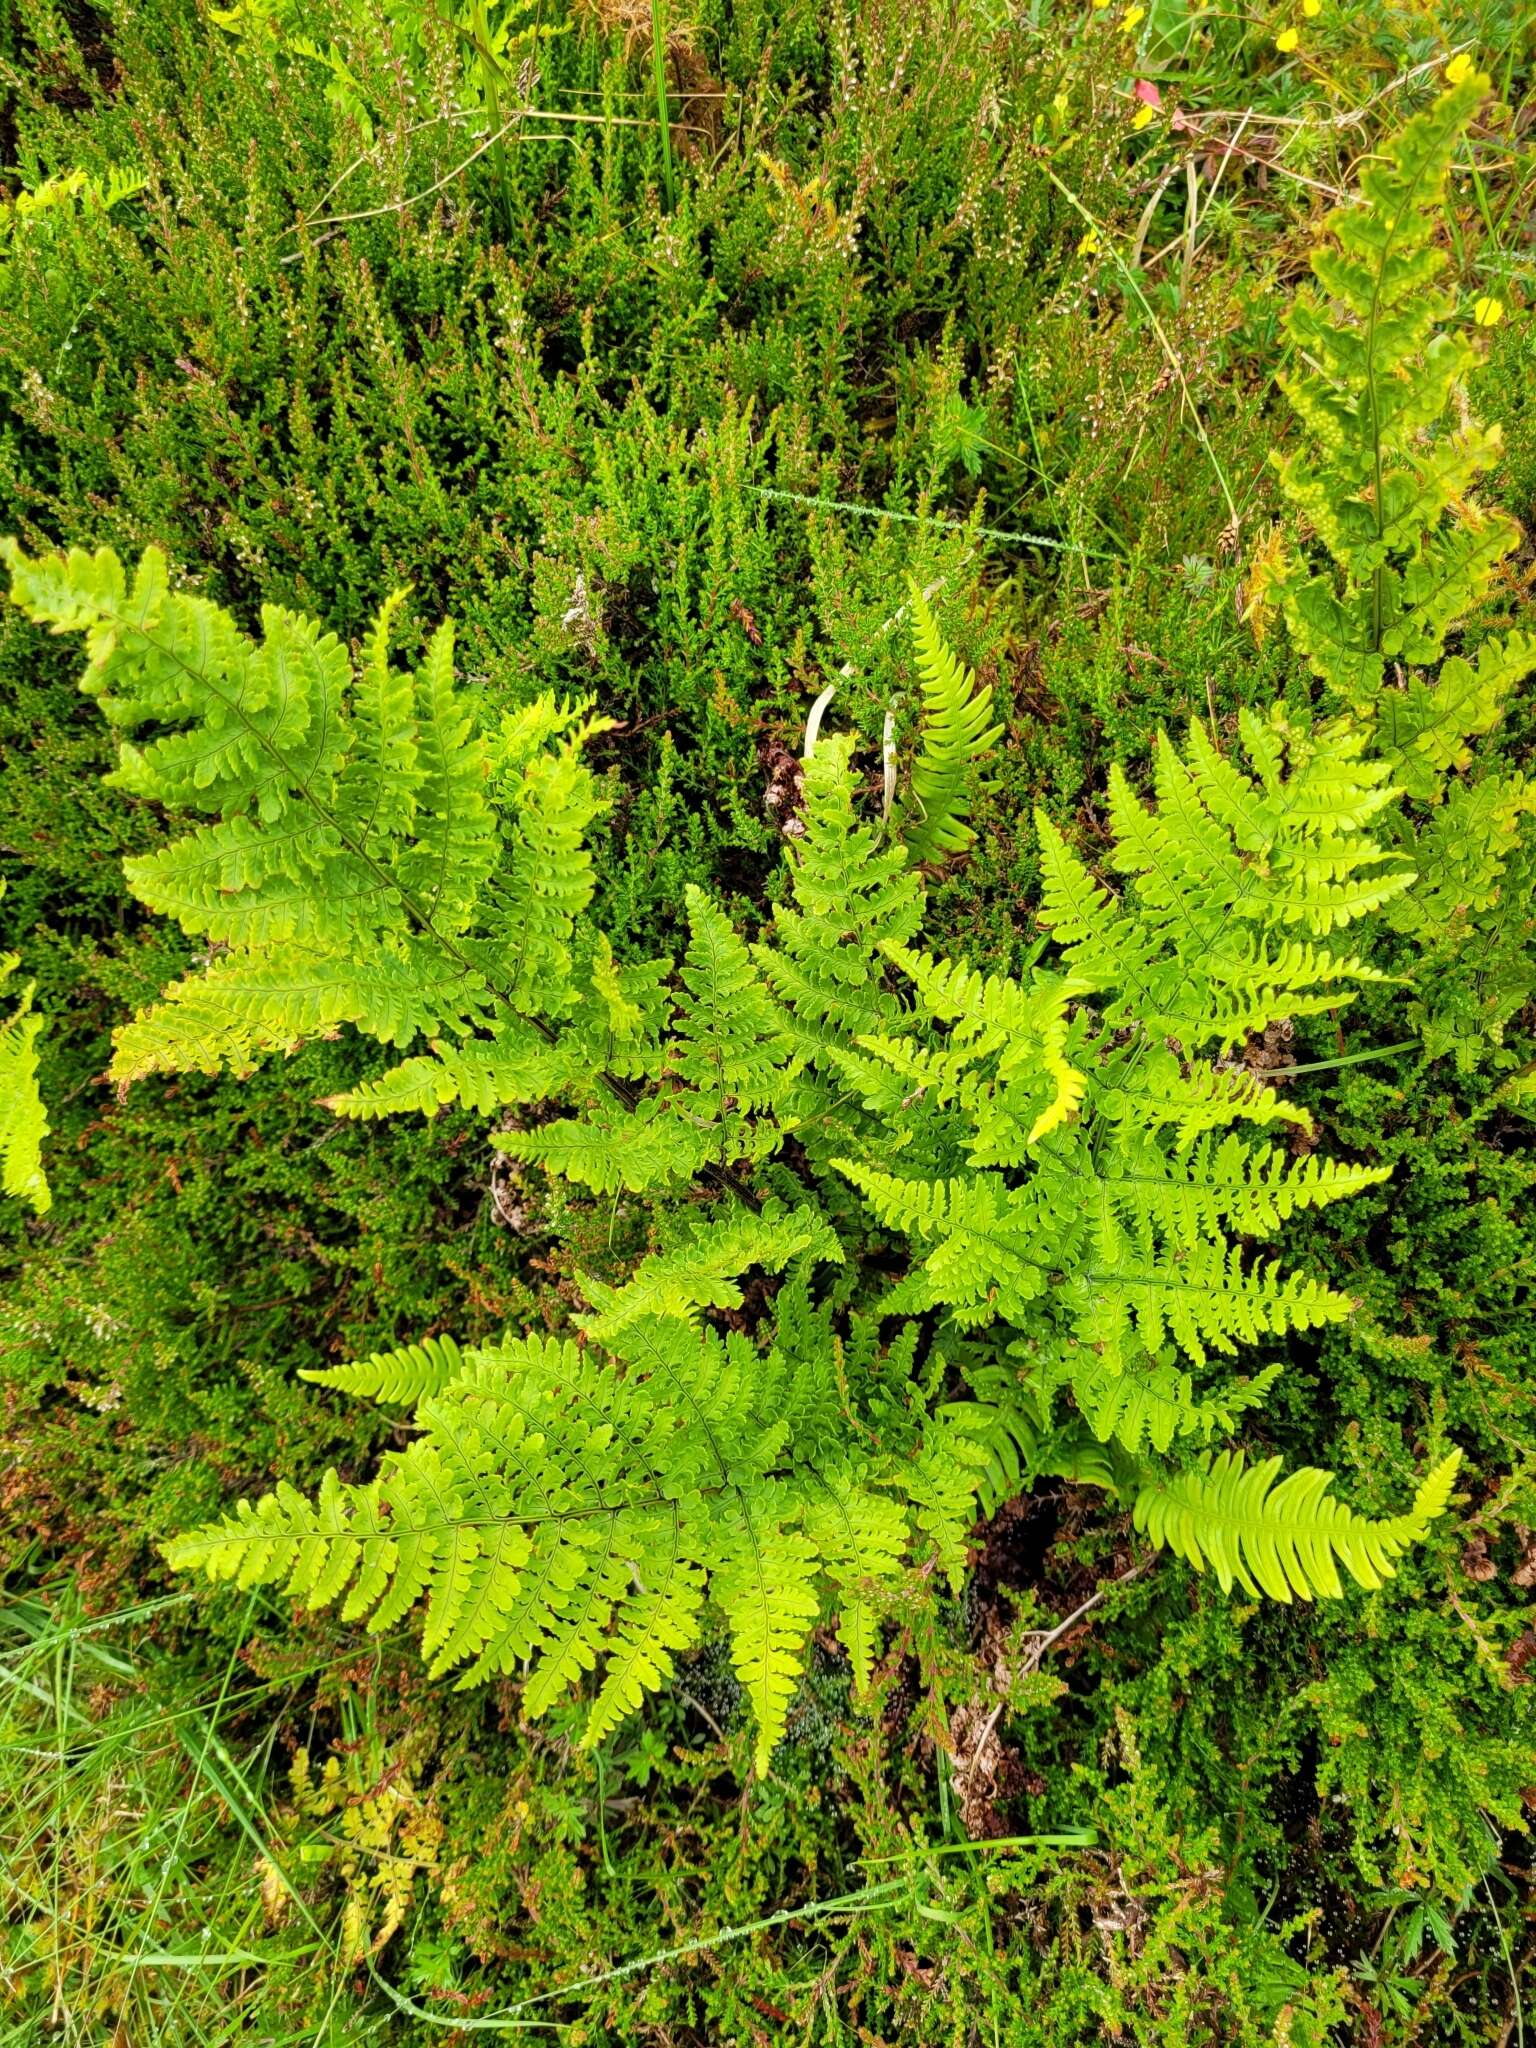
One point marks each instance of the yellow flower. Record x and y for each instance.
(1099, 5)
(1090, 245)
(1131, 17)
(1141, 118)
(1287, 40)
(1311, 8)
(1487, 312)
(1460, 67)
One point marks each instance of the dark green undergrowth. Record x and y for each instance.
(926, 304)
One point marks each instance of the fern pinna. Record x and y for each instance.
(1066, 1165)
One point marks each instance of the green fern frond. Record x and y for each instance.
(1151, 1401)
(1200, 1294)
(849, 896)
(731, 1047)
(567, 1509)
(1208, 1187)
(23, 1117)
(702, 1271)
(652, 1147)
(955, 735)
(354, 873)
(1238, 884)
(1375, 371)
(405, 1376)
(516, 1066)
(766, 1585)
(1286, 1537)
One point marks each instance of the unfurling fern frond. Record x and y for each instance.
(955, 735)
(1284, 1536)
(23, 1118)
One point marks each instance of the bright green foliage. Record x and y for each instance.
(955, 734)
(702, 1270)
(357, 872)
(1240, 882)
(35, 213)
(562, 1508)
(1058, 1176)
(848, 896)
(23, 1118)
(1284, 1536)
(1071, 1189)
(729, 1073)
(1381, 485)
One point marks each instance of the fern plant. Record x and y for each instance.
(1065, 1166)
(1381, 488)
(1378, 483)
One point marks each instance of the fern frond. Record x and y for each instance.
(481, 1074)
(1210, 1186)
(442, 866)
(1423, 729)
(955, 735)
(1150, 1401)
(247, 1004)
(766, 1585)
(1202, 1297)
(1238, 883)
(861, 1539)
(1284, 1536)
(703, 1271)
(23, 1118)
(652, 1147)
(406, 1375)
(730, 1049)
(1374, 373)
(850, 897)
(567, 1511)
(354, 872)
(555, 800)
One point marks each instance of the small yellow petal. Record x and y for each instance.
(1089, 245)
(1287, 40)
(1100, 5)
(1487, 312)
(1131, 16)
(1460, 67)
(1311, 8)
(1141, 117)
